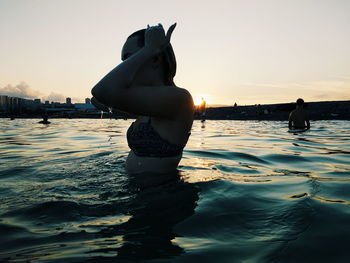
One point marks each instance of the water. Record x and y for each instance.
(246, 191)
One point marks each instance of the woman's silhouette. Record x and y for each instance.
(143, 85)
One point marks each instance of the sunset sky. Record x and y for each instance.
(244, 51)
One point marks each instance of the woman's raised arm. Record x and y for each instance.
(110, 89)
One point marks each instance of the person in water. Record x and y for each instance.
(299, 117)
(143, 85)
(45, 119)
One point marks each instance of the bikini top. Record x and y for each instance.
(144, 140)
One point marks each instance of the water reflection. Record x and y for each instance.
(65, 195)
(159, 203)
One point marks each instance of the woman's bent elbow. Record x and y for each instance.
(100, 94)
(95, 91)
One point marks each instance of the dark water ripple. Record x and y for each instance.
(246, 191)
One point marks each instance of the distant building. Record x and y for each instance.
(68, 100)
(18, 105)
(84, 107)
(37, 101)
(87, 101)
(14, 104)
(4, 103)
(47, 102)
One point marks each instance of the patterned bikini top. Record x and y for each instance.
(144, 140)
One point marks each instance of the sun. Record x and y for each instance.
(198, 99)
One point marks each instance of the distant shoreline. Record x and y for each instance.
(325, 110)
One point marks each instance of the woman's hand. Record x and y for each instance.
(155, 37)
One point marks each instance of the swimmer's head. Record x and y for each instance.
(300, 102)
(167, 58)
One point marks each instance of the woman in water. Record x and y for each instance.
(143, 85)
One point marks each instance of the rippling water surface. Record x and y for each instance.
(246, 191)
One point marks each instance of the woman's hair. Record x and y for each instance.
(168, 56)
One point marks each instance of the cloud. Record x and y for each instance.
(22, 90)
(56, 97)
(336, 88)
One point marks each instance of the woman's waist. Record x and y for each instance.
(157, 149)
